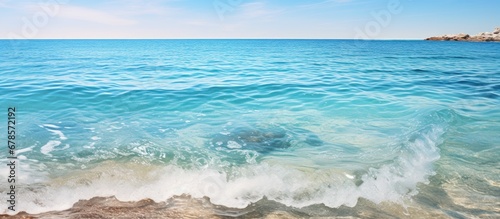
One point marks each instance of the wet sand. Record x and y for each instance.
(186, 207)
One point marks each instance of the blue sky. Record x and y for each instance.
(369, 19)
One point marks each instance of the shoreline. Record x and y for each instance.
(187, 207)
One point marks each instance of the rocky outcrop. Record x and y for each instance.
(481, 37)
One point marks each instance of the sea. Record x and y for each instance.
(252, 128)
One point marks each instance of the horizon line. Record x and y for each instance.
(381, 39)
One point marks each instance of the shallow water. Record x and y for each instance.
(314, 126)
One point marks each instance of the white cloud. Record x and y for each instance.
(9, 4)
(324, 3)
(198, 23)
(140, 7)
(257, 9)
(92, 15)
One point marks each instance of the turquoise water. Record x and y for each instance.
(298, 122)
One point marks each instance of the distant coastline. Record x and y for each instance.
(481, 37)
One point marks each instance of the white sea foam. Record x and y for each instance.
(240, 186)
(90, 146)
(49, 147)
(53, 129)
(20, 151)
(233, 145)
(28, 172)
(51, 126)
(59, 133)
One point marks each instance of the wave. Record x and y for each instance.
(238, 186)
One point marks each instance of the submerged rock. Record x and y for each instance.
(263, 140)
(481, 37)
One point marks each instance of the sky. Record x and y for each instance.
(247, 19)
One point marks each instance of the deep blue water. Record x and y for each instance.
(300, 122)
